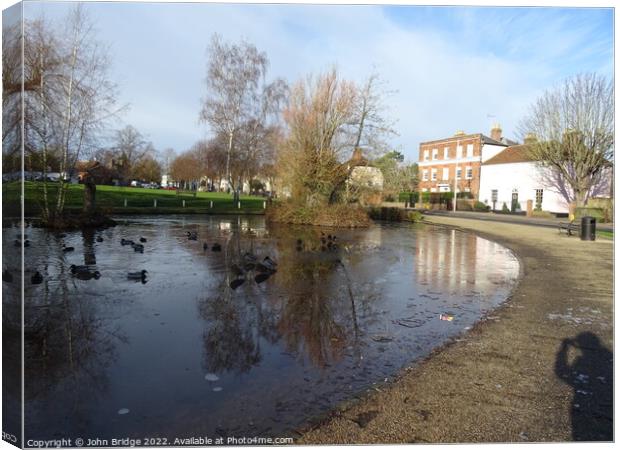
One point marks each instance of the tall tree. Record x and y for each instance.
(239, 102)
(574, 127)
(129, 147)
(371, 127)
(318, 114)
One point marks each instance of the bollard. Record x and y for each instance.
(155, 203)
(211, 206)
(183, 203)
(239, 205)
(125, 203)
(264, 204)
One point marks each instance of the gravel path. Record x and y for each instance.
(538, 369)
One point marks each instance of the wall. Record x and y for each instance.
(525, 177)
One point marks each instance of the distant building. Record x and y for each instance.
(363, 173)
(456, 160)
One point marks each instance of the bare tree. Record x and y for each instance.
(309, 160)
(239, 102)
(371, 127)
(574, 126)
(129, 147)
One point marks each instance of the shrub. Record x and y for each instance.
(479, 206)
(335, 215)
(415, 216)
(505, 208)
(463, 205)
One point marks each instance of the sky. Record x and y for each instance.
(451, 68)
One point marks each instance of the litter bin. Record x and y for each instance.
(588, 228)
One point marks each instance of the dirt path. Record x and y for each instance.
(511, 379)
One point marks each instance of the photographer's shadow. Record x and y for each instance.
(591, 376)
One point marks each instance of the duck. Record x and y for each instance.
(267, 265)
(141, 275)
(259, 278)
(77, 269)
(236, 270)
(142, 239)
(88, 275)
(99, 239)
(216, 247)
(26, 243)
(299, 245)
(234, 284)
(36, 278)
(138, 248)
(68, 249)
(249, 257)
(205, 246)
(7, 276)
(192, 235)
(126, 242)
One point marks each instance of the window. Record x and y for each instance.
(434, 175)
(446, 153)
(459, 152)
(469, 173)
(470, 150)
(458, 173)
(425, 155)
(539, 199)
(446, 173)
(433, 189)
(425, 175)
(424, 190)
(435, 154)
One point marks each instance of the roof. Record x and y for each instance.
(512, 154)
(482, 137)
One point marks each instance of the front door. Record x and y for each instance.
(514, 205)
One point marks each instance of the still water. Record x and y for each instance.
(183, 354)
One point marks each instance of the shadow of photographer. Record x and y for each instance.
(590, 374)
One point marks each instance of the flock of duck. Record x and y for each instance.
(250, 265)
(82, 272)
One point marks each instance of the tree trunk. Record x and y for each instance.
(89, 194)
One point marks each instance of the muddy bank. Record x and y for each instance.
(538, 369)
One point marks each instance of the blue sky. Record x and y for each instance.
(454, 68)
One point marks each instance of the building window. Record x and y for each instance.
(539, 199)
(446, 153)
(435, 154)
(446, 174)
(459, 152)
(458, 173)
(433, 189)
(425, 155)
(433, 174)
(424, 190)
(425, 175)
(470, 150)
(469, 173)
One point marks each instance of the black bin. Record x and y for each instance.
(588, 228)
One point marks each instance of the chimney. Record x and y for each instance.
(496, 132)
(530, 138)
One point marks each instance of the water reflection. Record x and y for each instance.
(326, 324)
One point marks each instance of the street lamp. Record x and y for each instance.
(456, 170)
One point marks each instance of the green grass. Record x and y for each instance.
(604, 234)
(111, 199)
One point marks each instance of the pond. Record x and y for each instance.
(182, 354)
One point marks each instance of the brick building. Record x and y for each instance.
(460, 155)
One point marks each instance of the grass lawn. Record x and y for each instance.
(604, 234)
(111, 199)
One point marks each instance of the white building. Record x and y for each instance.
(513, 178)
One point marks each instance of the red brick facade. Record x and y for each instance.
(438, 160)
